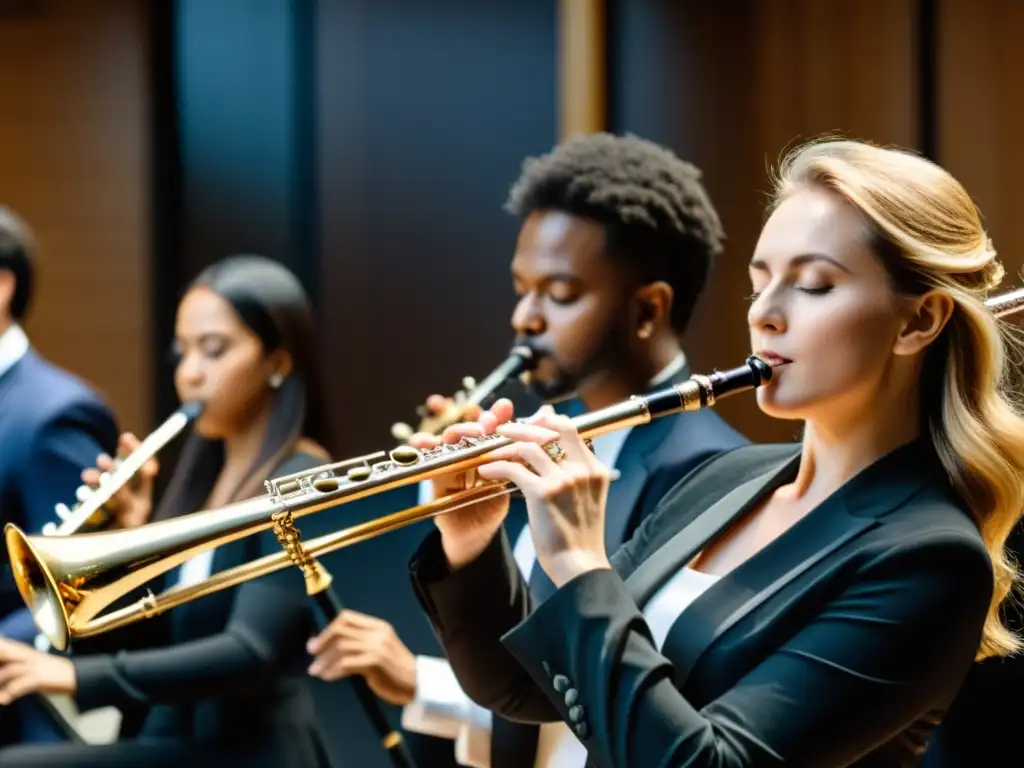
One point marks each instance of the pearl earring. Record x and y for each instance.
(276, 381)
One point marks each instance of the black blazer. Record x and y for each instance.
(841, 643)
(653, 458)
(230, 675)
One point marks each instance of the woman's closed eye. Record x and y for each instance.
(819, 290)
(811, 290)
(213, 349)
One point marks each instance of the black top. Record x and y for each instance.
(840, 643)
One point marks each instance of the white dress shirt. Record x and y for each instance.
(441, 708)
(195, 570)
(13, 346)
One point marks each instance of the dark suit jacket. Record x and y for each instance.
(652, 459)
(229, 679)
(52, 426)
(841, 643)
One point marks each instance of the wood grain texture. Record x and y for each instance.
(74, 162)
(981, 115)
(730, 86)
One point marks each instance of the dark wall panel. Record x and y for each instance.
(426, 113)
(427, 110)
(243, 140)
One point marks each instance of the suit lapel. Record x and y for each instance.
(849, 512)
(697, 529)
(9, 380)
(634, 467)
(741, 591)
(624, 492)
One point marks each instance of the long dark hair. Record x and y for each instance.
(271, 302)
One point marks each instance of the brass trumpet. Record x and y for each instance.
(520, 360)
(67, 581)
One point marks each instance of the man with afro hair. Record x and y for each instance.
(617, 240)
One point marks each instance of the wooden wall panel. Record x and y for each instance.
(981, 114)
(74, 162)
(730, 86)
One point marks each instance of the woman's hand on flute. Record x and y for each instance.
(566, 490)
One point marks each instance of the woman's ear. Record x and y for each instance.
(654, 303)
(281, 366)
(926, 319)
(7, 284)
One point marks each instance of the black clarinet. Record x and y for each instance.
(318, 586)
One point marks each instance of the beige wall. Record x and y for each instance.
(74, 162)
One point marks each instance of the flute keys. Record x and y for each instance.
(356, 474)
(289, 487)
(326, 484)
(405, 455)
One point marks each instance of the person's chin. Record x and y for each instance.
(778, 405)
(208, 429)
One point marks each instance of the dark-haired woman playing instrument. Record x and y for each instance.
(227, 684)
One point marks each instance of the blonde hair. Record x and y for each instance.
(930, 235)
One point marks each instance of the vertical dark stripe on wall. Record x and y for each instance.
(304, 220)
(613, 46)
(928, 77)
(165, 153)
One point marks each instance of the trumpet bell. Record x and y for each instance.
(39, 589)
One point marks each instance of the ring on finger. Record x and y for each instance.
(555, 452)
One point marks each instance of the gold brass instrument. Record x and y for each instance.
(67, 581)
(89, 513)
(520, 360)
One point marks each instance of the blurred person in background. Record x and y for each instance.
(52, 425)
(222, 679)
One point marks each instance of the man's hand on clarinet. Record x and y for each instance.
(357, 644)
